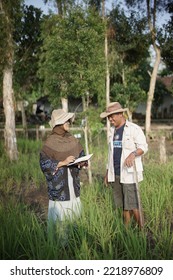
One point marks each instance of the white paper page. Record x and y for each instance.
(80, 159)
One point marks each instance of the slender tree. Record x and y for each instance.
(100, 7)
(107, 65)
(9, 11)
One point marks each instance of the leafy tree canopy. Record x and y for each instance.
(128, 35)
(166, 40)
(10, 13)
(129, 44)
(27, 39)
(72, 60)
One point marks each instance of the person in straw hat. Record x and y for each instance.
(60, 149)
(127, 143)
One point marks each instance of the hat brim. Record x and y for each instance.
(106, 114)
(64, 119)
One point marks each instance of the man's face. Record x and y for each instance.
(116, 119)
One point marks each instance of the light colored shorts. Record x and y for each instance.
(125, 195)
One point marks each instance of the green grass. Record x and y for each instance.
(99, 233)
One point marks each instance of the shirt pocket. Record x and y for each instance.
(129, 144)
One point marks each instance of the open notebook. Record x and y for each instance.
(80, 159)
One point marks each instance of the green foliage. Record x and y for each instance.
(72, 59)
(160, 92)
(22, 25)
(128, 51)
(26, 168)
(95, 125)
(128, 96)
(155, 10)
(166, 41)
(10, 13)
(127, 35)
(28, 43)
(62, 6)
(95, 4)
(133, 90)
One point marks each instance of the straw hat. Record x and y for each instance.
(59, 117)
(112, 108)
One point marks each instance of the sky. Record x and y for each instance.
(40, 4)
(49, 6)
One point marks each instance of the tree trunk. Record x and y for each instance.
(64, 102)
(107, 71)
(85, 129)
(129, 114)
(8, 103)
(8, 98)
(151, 92)
(162, 146)
(24, 121)
(59, 6)
(151, 24)
(107, 83)
(87, 150)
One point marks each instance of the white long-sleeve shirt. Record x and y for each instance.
(133, 138)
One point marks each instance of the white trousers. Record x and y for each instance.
(62, 210)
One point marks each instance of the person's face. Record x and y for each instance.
(66, 125)
(117, 119)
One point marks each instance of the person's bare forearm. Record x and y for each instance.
(129, 161)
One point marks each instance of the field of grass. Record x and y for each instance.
(99, 233)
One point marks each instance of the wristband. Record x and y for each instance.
(135, 153)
